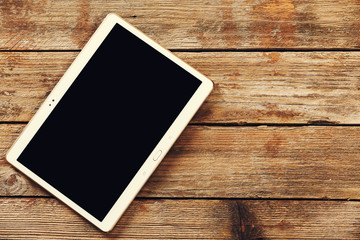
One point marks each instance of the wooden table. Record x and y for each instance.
(272, 154)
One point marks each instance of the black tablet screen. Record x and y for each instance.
(108, 122)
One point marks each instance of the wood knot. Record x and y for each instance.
(11, 180)
(14, 184)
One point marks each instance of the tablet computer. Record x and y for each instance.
(109, 122)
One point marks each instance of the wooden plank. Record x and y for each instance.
(261, 162)
(26, 80)
(39, 218)
(297, 220)
(46, 24)
(250, 87)
(280, 87)
(239, 162)
(44, 218)
(12, 182)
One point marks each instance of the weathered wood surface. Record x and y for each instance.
(250, 87)
(239, 162)
(224, 24)
(195, 192)
(44, 218)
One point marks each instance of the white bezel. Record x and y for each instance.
(149, 165)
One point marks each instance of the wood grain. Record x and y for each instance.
(196, 192)
(44, 218)
(284, 24)
(239, 162)
(250, 87)
(281, 219)
(261, 162)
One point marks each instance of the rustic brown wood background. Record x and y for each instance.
(274, 153)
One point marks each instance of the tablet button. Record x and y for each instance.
(157, 155)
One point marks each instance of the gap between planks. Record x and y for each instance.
(208, 198)
(209, 50)
(234, 124)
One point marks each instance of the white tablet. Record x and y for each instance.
(109, 122)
